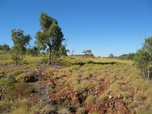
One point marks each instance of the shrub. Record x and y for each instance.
(23, 89)
(81, 110)
(147, 109)
(16, 59)
(139, 97)
(103, 97)
(132, 105)
(90, 99)
(20, 110)
(140, 84)
(95, 113)
(16, 72)
(8, 85)
(2, 72)
(5, 105)
(116, 88)
(84, 85)
(20, 107)
(48, 109)
(48, 71)
(63, 111)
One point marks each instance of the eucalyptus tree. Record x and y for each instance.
(50, 35)
(20, 42)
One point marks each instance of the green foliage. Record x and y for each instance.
(34, 51)
(23, 89)
(143, 57)
(5, 105)
(48, 71)
(47, 109)
(81, 110)
(139, 97)
(63, 111)
(87, 52)
(111, 56)
(50, 34)
(16, 72)
(90, 99)
(83, 86)
(62, 52)
(20, 41)
(6, 83)
(147, 109)
(5, 47)
(20, 107)
(139, 84)
(103, 97)
(129, 56)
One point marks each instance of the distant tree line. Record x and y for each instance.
(129, 56)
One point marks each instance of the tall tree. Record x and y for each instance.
(20, 42)
(50, 35)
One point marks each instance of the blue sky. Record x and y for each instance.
(104, 26)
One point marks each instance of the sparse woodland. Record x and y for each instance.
(33, 82)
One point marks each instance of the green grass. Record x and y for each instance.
(139, 84)
(90, 99)
(139, 97)
(84, 75)
(103, 97)
(83, 86)
(5, 105)
(81, 110)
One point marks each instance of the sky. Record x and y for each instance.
(103, 26)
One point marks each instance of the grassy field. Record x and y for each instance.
(73, 85)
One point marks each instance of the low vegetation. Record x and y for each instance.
(76, 85)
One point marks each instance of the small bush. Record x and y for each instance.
(140, 84)
(139, 97)
(95, 113)
(103, 97)
(48, 71)
(23, 89)
(85, 85)
(43, 61)
(48, 109)
(147, 109)
(5, 105)
(16, 72)
(20, 107)
(8, 84)
(132, 105)
(90, 99)
(16, 58)
(63, 111)
(20, 110)
(81, 110)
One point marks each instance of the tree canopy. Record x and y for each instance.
(20, 42)
(50, 35)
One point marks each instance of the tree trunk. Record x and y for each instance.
(49, 55)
